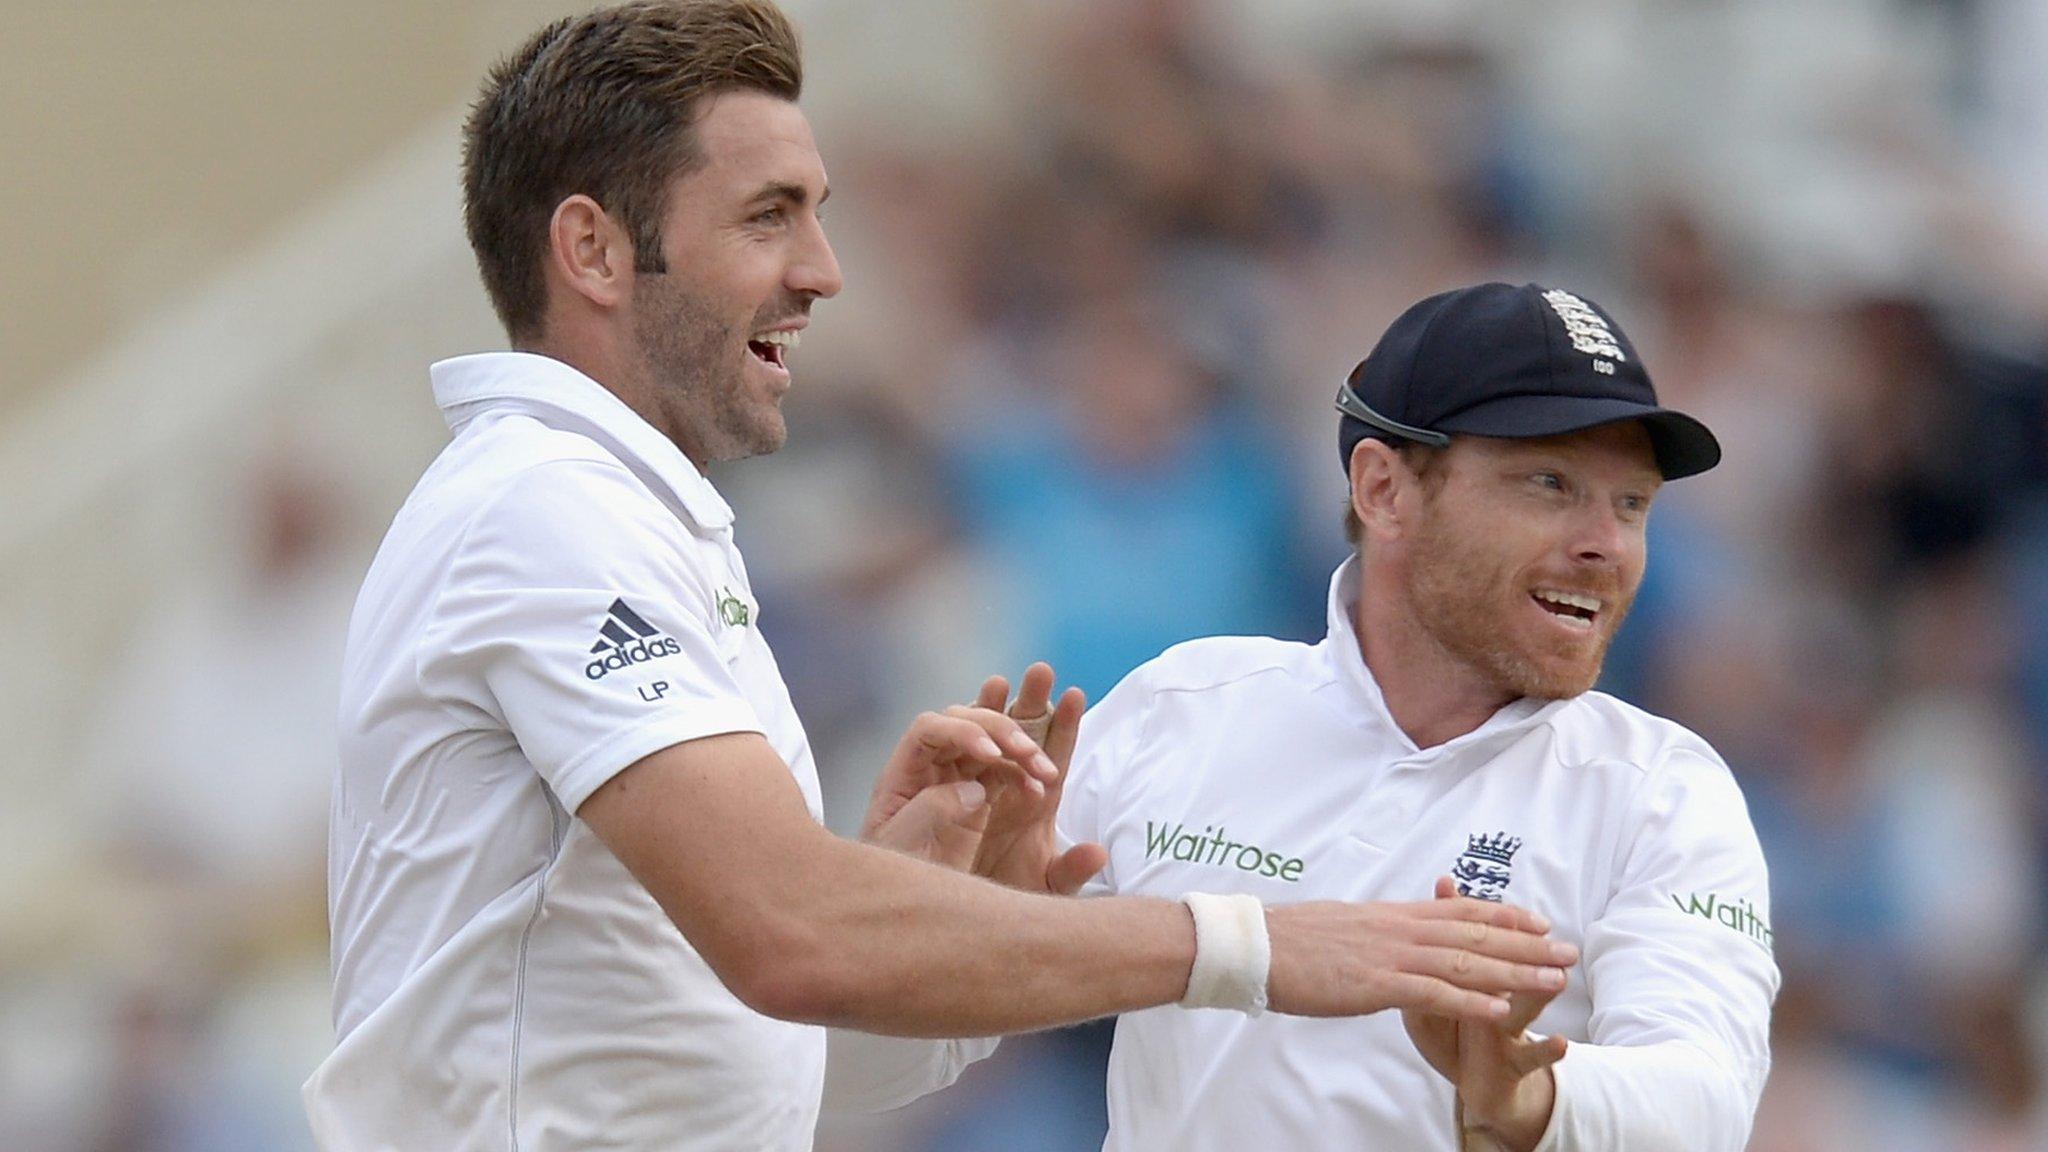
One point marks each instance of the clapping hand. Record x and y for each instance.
(1502, 1074)
(931, 799)
(1019, 845)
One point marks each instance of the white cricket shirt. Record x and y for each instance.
(559, 597)
(1262, 766)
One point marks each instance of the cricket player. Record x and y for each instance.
(580, 894)
(1504, 446)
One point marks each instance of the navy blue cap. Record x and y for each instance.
(1497, 360)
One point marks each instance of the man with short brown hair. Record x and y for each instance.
(580, 894)
(543, 130)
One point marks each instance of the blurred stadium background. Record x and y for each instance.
(1106, 263)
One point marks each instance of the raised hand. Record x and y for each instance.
(1502, 1074)
(1020, 845)
(921, 804)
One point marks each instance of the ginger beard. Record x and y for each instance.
(1470, 597)
(706, 388)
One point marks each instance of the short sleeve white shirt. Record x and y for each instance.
(1272, 768)
(559, 597)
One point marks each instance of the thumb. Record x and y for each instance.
(970, 795)
(1075, 867)
(945, 804)
(936, 814)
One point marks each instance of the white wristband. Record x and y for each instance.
(1232, 953)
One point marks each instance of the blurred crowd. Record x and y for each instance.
(1075, 405)
(1118, 344)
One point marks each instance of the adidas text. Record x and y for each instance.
(634, 653)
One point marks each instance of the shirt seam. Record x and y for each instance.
(540, 896)
(1224, 681)
(1624, 840)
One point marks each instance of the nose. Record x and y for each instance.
(815, 271)
(1602, 538)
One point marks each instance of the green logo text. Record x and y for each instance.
(1213, 846)
(1737, 914)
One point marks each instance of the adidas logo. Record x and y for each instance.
(624, 640)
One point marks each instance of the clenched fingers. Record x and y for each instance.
(1009, 741)
(975, 741)
(1493, 941)
(1483, 973)
(1483, 912)
(1016, 744)
(1525, 1007)
(1416, 992)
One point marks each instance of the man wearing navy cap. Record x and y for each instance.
(1504, 446)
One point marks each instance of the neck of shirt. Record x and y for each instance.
(1485, 722)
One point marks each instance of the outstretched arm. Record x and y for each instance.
(802, 925)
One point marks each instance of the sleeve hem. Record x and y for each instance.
(1552, 1139)
(588, 772)
(868, 1074)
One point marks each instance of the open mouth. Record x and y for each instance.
(772, 348)
(1569, 607)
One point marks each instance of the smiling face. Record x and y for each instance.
(745, 256)
(1526, 554)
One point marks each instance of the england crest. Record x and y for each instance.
(1483, 869)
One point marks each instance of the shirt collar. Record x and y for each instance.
(558, 395)
(1362, 695)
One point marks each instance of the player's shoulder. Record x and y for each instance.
(518, 500)
(1208, 668)
(516, 444)
(550, 479)
(1598, 727)
(1190, 687)
(1220, 663)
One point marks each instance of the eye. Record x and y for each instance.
(1635, 505)
(770, 215)
(1549, 480)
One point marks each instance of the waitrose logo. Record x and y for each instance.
(1737, 914)
(1213, 845)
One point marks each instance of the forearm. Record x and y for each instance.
(801, 925)
(1650, 1098)
(878, 942)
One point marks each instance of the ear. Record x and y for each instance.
(1377, 479)
(589, 253)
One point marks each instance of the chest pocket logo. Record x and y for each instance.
(733, 610)
(1484, 869)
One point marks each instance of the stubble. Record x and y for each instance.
(699, 387)
(1459, 594)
